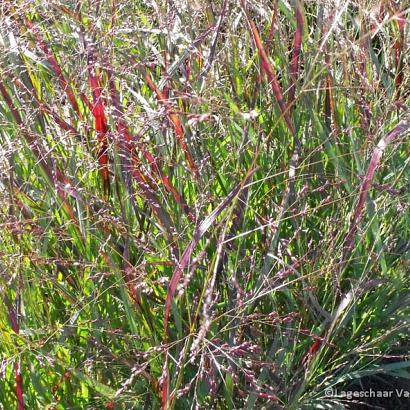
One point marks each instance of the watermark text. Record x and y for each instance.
(366, 394)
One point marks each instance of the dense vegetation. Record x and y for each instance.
(203, 204)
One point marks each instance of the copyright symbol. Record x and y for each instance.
(329, 392)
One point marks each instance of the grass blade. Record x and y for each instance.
(173, 116)
(398, 131)
(270, 74)
(297, 47)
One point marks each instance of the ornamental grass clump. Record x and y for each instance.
(203, 204)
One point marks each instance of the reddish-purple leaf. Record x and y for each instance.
(176, 122)
(128, 144)
(55, 66)
(273, 27)
(270, 73)
(14, 321)
(98, 111)
(297, 46)
(401, 128)
(398, 55)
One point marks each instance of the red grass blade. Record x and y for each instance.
(19, 387)
(273, 27)
(329, 103)
(100, 120)
(270, 74)
(19, 378)
(398, 54)
(55, 66)
(297, 47)
(173, 116)
(401, 128)
(86, 101)
(75, 15)
(129, 140)
(143, 182)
